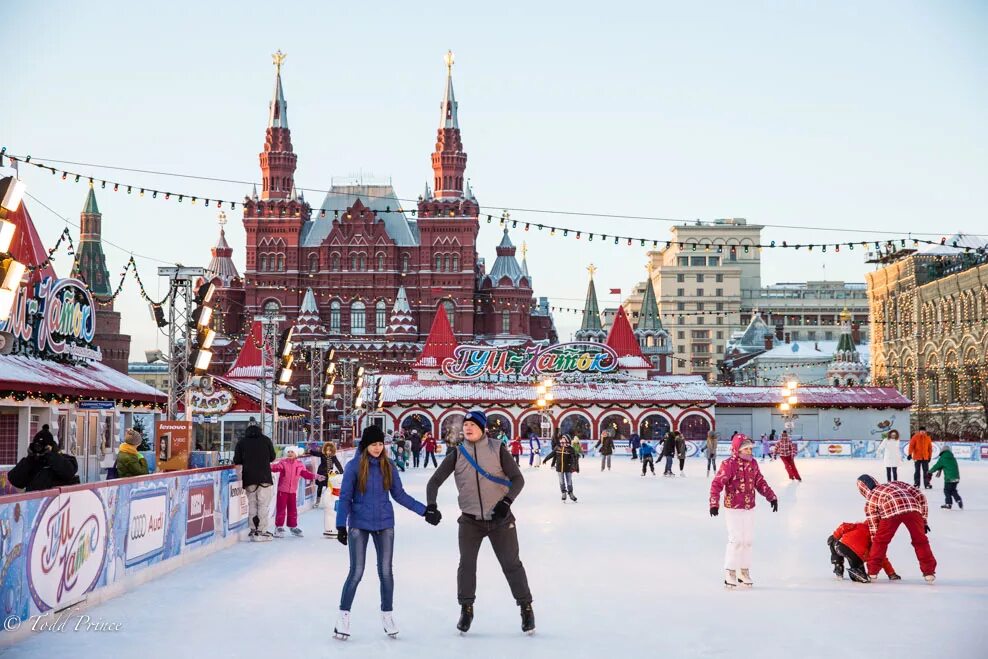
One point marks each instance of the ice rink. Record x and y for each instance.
(633, 569)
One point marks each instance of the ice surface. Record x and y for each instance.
(633, 569)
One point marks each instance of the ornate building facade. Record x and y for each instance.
(373, 270)
(930, 336)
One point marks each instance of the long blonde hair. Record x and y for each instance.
(364, 469)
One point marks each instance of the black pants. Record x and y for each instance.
(950, 493)
(712, 462)
(634, 453)
(923, 465)
(648, 462)
(839, 551)
(504, 538)
(319, 486)
(517, 458)
(682, 463)
(891, 474)
(430, 454)
(416, 456)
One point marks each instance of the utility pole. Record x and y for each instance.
(316, 351)
(180, 329)
(269, 341)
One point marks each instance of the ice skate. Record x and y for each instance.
(296, 531)
(744, 579)
(960, 503)
(946, 506)
(341, 631)
(731, 579)
(930, 578)
(279, 532)
(839, 571)
(572, 497)
(316, 504)
(527, 619)
(390, 626)
(252, 536)
(329, 534)
(870, 577)
(564, 497)
(267, 536)
(894, 577)
(859, 576)
(466, 618)
(682, 474)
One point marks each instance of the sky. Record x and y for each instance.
(843, 120)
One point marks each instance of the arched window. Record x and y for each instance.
(313, 263)
(505, 322)
(654, 427)
(334, 316)
(262, 263)
(363, 262)
(695, 427)
(456, 263)
(439, 262)
(576, 425)
(281, 263)
(446, 263)
(617, 424)
(450, 312)
(404, 262)
(271, 307)
(358, 318)
(353, 262)
(381, 317)
(380, 261)
(451, 428)
(334, 262)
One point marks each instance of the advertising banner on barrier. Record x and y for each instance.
(146, 528)
(199, 523)
(963, 451)
(827, 449)
(173, 445)
(984, 451)
(236, 510)
(67, 549)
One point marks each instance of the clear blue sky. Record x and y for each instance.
(836, 114)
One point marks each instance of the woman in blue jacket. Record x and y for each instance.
(365, 507)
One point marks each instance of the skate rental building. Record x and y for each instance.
(610, 385)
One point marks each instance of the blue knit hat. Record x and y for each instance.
(478, 417)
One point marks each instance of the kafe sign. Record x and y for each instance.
(67, 549)
(491, 362)
(219, 402)
(57, 318)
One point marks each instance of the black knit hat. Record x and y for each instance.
(868, 481)
(371, 435)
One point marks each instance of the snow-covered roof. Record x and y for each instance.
(407, 389)
(812, 397)
(955, 244)
(253, 390)
(93, 380)
(506, 265)
(378, 198)
(799, 351)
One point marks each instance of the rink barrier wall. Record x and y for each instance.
(78, 546)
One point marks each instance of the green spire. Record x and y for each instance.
(845, 344)
(649, 318)
(591, 312)
(91, 206)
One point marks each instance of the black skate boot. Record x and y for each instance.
(838, 570)
(466, 618)
(858, 575)
(571, 496)
(527, 619)
(960, 503)
(564, 496)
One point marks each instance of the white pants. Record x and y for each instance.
(740, 534)
(259, 505)
(329, 510)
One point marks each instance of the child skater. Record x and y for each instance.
(740, 478)
(566, 463)
(328, 463)
(291, 469)
(946, 465)
(516, 449)
(852, 540)
(647, 453)
(370, 481)
(400, 456)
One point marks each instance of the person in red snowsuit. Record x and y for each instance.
(886, 507)
(515, 447)
(786, 450)
(852, 541)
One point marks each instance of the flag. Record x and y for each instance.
(615, 291)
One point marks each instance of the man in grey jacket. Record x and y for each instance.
(488, 481)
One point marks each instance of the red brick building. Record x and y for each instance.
(377, 270)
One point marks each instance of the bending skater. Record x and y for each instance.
(886, 507)
(647, 456)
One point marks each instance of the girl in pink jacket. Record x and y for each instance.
(740, 478)
(291, 469)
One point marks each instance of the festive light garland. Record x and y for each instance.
(504, 219)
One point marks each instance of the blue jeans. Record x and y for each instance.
(384, 543)
(668, 464)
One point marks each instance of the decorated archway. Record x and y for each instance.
(451, 427)
(498, 422)
(654, 427)
(618, 424)
(576, 424)
(694, 427)
(530, 424)
(416, 422)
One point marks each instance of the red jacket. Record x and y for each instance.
(516, 446)
(429, 444)
(856, 537)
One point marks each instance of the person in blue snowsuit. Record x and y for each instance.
(534, 446)
(636, 443)
(648, 457)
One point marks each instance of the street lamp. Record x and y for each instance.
(788, 405)
(544, 402)
(11, 270)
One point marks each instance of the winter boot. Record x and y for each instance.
(390, 626)
(279, 532)
(296, 531)
(894, 577)
(342, 629)
(859, 576)
(930, 578)
(744, 579)
(838, 570)
(731, 579)
(466, 618)
(571, 496)
(527, 619)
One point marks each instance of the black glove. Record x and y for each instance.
(502, 508)
(713, 511)
(909, 457)
(831, 540)
(775, 505)
(341, 534)
(432, 514)
(926, 528)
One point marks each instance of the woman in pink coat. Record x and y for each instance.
(739, 478)
(291, 469)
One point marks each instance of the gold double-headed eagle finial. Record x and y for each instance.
(279, 58)
(591, 269)
(448, 58)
